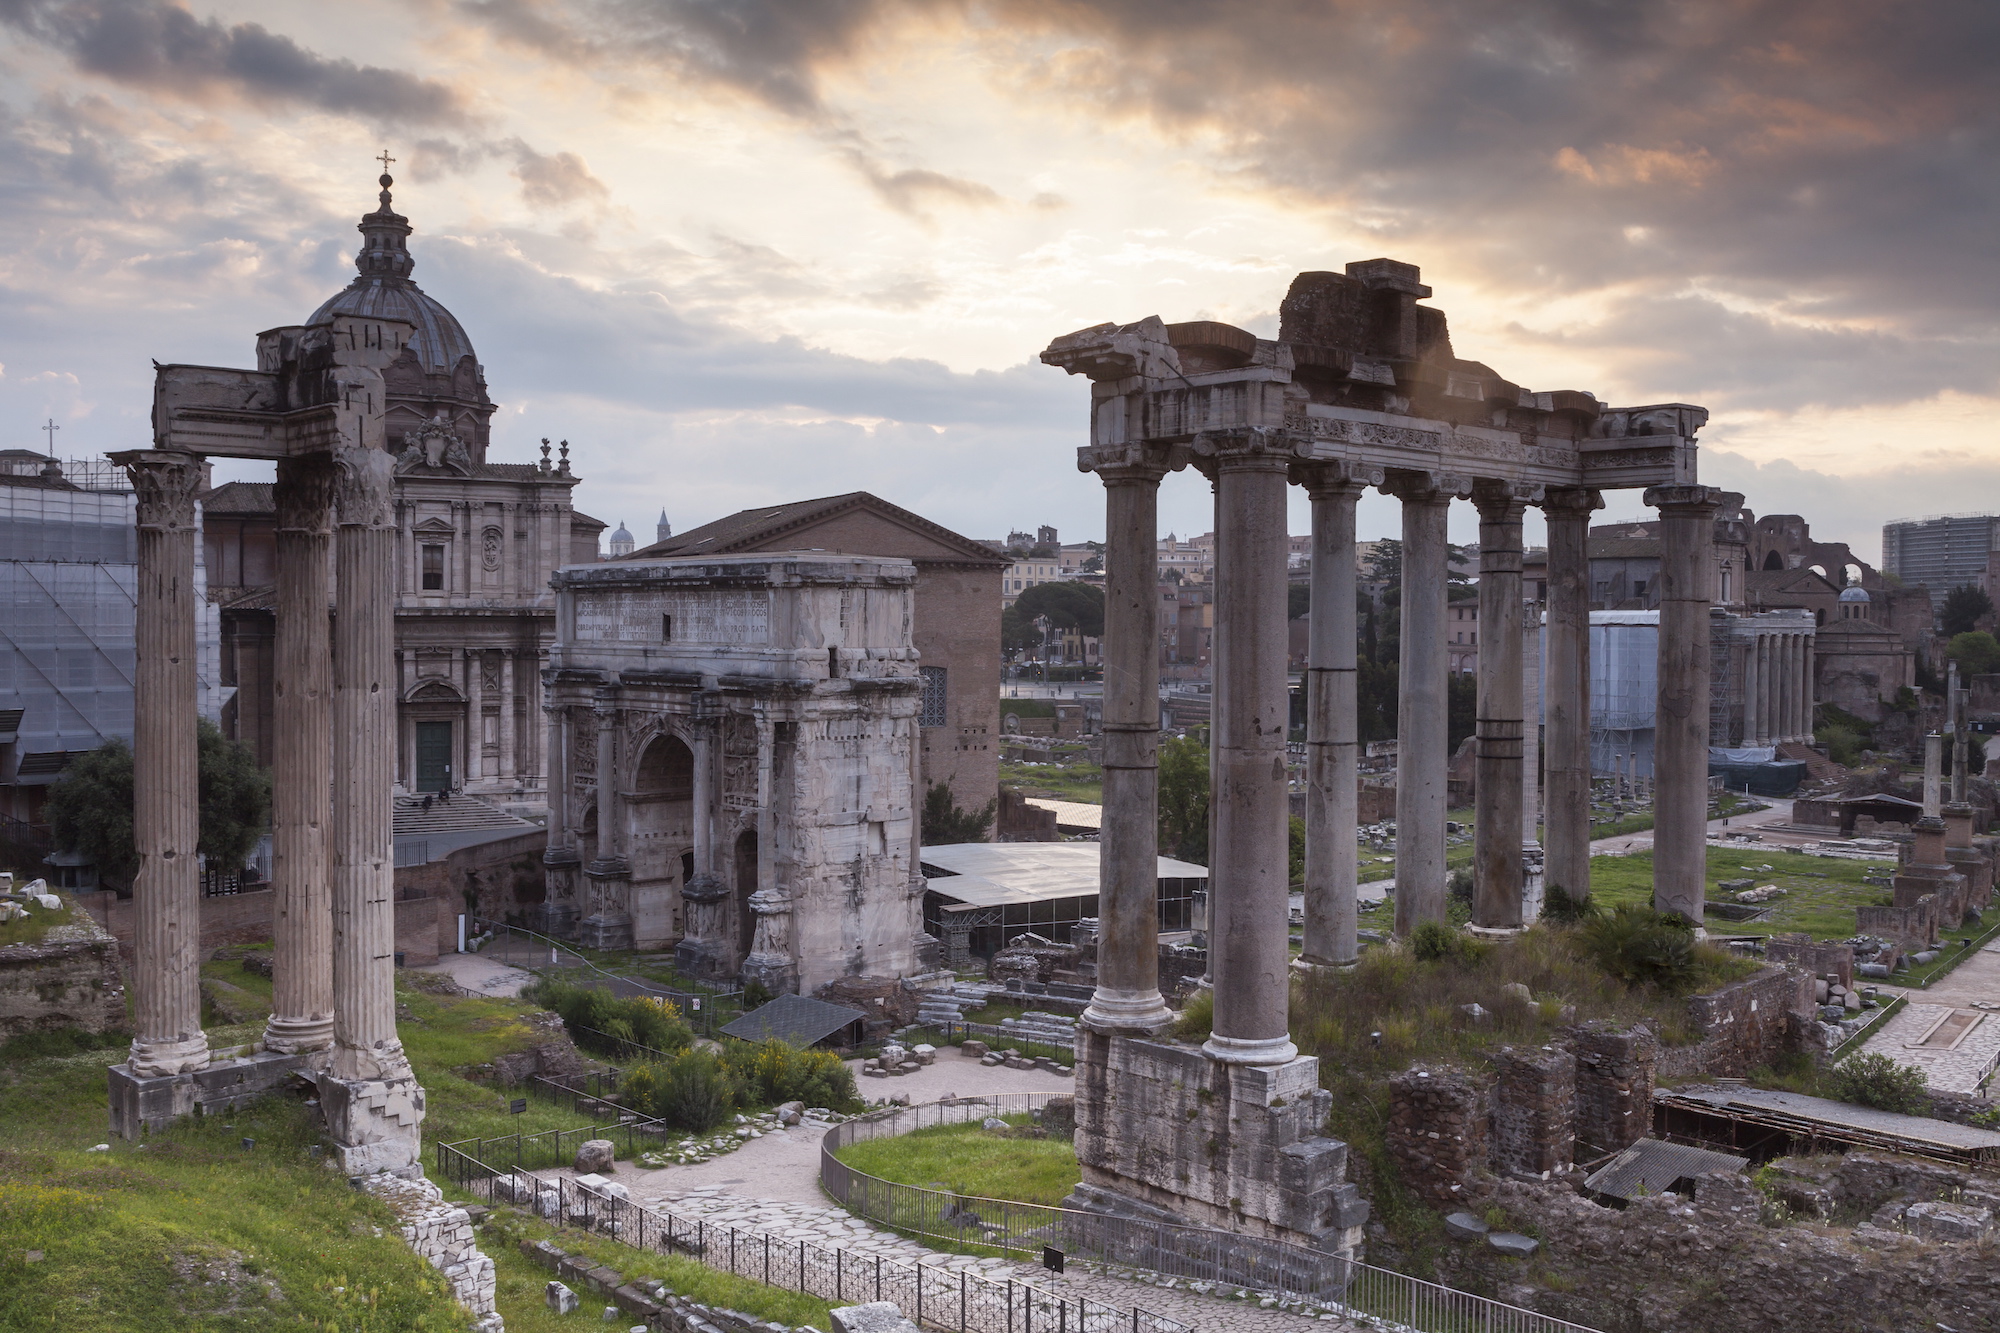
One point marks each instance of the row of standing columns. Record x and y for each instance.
(333, 768)
(1778, 694)
(1248, 915)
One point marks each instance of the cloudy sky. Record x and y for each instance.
(742, 252)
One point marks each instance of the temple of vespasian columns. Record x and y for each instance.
(1359, 389)
(315, 405)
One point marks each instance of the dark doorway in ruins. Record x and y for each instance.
(746, 884)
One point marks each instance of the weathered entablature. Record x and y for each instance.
(1360, 388)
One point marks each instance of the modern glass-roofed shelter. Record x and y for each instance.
(986, 893)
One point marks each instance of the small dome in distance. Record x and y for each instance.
(1854, 592)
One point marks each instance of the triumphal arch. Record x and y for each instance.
(1360, 389)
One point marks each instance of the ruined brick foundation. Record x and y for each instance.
(1164, 1133)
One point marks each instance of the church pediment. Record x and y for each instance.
(434, 527)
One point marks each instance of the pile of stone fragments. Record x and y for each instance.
(32, 897)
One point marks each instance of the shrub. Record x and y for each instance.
(1843, 744)
(644, 1020)
(1197, 1018)
(1559, 906)
(776, 1071)
(1868, 1079)
(1434, 941)
(1459, 885)
(693, 1091)
(1640, 946)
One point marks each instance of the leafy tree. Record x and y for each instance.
(1868, 1078)
(1018, 633)
(1298, 600)
(1963, 608)
(945, 822)
(1184, 799)
(1298, 850)
(1976, 652)
(1462, 704)
(90, 809)
(1385, 562)
(1077, 606)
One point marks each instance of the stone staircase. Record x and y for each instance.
(465, 814)
(950, 1005)
(1038, 1025)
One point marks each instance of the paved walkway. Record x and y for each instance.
(477, 972)
(1970, 990)
(772, 1184)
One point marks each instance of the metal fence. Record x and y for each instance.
(1021, 1230)
(933, 1295)
(704, 1011)
(470, 1160)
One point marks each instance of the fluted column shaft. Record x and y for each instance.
(1751, 711)
(167, 1036)
(1421, 706)
(1496, 900)
(1249, 908)
(510, 764)
(1566, 821)
(1332, 727)
(1127, 998)
(1680, 737)
(364, 771)
(302, 763)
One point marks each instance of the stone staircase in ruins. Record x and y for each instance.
(465, 814)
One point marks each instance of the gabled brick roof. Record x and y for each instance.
(773, 526)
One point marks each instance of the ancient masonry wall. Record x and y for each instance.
(1745, 1024)
(1437, 1131)
(442, 1233)
(1534, 1110)
(1820, 960)
(1614, 1086)
(71, 983)
(643, 1299)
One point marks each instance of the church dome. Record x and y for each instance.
(1854, 592)
(383, 290)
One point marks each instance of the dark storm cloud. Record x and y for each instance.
(159, 46)
(1833, 162)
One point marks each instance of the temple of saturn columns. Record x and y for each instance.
(315, 405)
(1360, 389)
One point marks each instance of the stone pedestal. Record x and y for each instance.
(142, 1103)
(1164, 1131)
(608, 882)
(704, 951)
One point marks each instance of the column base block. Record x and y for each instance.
(1494, 932)
(1163, 1130)
(704, 960)
(774, 972)
(374, 1123)
(144, 1104)
(605, 930)
(1307, 967)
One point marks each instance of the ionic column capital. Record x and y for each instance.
(364, 488)
(167, 483)
(1424, 486)
(1130, 463)
(1335, 478)
(1248, 449)
(1504, 501)
(1685, 501)
(1571, 502)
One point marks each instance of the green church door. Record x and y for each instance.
(433, 756)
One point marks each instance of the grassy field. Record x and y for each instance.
(193, 1230)
(969, 1160)
(1821, 893)
(34, 928)
(1069, 778)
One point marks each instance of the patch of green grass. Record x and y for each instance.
(522, 1280)
(1028, 707)
(1062, 780)
(969, 1160)
(35, 927)
(1821, 892)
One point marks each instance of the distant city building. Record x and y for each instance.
(1025, 573)
(1941, 552)
(663, 529)
(621, 542)
(69, 552)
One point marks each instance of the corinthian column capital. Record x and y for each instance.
(363, 489)
(304, 495)
(1133, 461)
(1333, 478)
(167, 484)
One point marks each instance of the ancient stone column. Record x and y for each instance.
(475, 718)
(1127, 998)
(302, 762)
(1332, 726)
(510, 764)
(1680, 736)
(1421, 708)
(1752, 714)
(1531, 761)
(1496, 894)
(166, 893)
(372, 1103)
(1566, 824)
(1249, 909)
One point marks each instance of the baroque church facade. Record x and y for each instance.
(477, 543)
